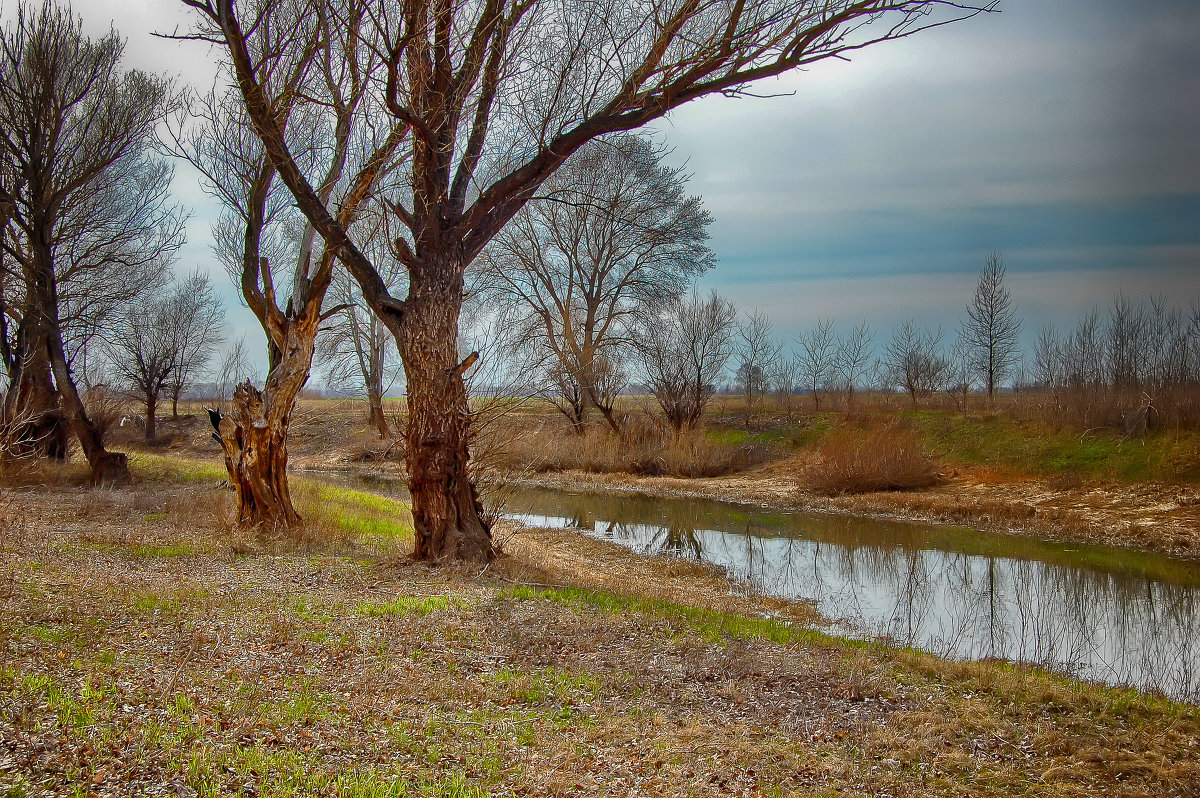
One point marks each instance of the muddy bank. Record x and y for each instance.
(1160, 518)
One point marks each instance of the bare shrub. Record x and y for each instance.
(105, 409)
(644, 447)
(864, 461)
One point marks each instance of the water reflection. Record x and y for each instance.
(1104, 614)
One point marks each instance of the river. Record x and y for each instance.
(1107, 614)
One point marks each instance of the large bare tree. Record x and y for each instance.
(317, 102)
(610, 236)
(497, 95)
(86, 199)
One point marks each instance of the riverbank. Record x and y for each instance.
(980, 483)
(1152, 517)
(150, 645)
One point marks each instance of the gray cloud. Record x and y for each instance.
(1064, 132)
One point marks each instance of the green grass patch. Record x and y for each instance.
(174, 550)
(174, 469)
(543, 684)
(370, 518)
(76, 708)
(710, 625)
(412, 605)
(1028, 447)
(304, 707)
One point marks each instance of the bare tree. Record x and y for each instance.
(914, 360)
(610, 234)
(959, 373)
(235, 368)
(358, 351)
(818, 355)
(683, 353)
(141, 350)
(497, 96)
(757, 353)
(853, 359)
(196, 321)
(75, 138)
(1048, 362)
(356, 347)
(319, 104)
(992, 329)
(161, 342)
(784, 379)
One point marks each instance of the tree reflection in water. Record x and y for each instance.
(955, 593)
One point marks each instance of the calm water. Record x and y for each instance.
(1100, 613)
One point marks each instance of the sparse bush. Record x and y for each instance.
(863, 461)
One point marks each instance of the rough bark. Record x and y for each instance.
(108, 468)
(376, 416)
(254, 432)
(447, 513)
(256, 459)
(34, 422)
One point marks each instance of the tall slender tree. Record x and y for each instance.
(497, 95)
(992, 330)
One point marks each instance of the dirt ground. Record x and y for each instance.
(149, 648)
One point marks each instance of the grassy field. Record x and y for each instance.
(1010, 442)
(151, 648)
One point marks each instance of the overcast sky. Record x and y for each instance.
(1063, 133)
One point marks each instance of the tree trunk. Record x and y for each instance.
(108, 468)
(447, 512)
(375, 412)
(151, 410)
(254, 440)
(175, 406)
(34, 424)
(606, 411)
(254, 431)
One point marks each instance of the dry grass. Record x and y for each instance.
(643, 447)
(145, 652)
(879, 458)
